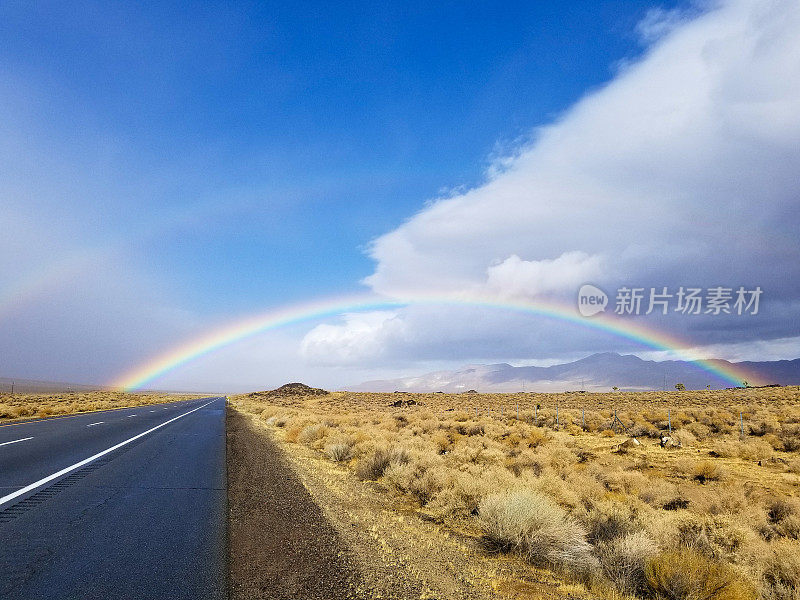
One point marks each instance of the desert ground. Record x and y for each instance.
(543, 495)
(16, 407)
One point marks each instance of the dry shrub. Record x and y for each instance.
(475, 429)
(644, 429)
(442, 442)
(422, 481)
(462, 494)
(8, 412)
(610, 520)
(374, 465)
(782, 571)
(764, 427)
(624, 561)
(784, 516)
(559, 458)
(268, 413)
(277, 421)
(427, 485)
(773, 440)
(627, 482)
(683, 438)
(312, 433)
(688, 575)
(339, 451)
(790, 438)
(707, 470)
(718, 537)
(565, 491)
(292, 433)
(658, 493)
(730, 499)
(725, 448)
(531, 524)
(399, 456)
(755, 450)
(699, 430)
(524, 461)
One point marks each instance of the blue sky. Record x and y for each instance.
(311, 128)
(221, 159)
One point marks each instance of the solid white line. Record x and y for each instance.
(86, 461)
(15, 441)
(93, 424)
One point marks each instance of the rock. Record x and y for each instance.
(402, 403)
(627, 445)
(668, 442)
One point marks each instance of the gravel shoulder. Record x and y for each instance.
(280, 543)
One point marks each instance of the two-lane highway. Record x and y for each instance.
(116, 504)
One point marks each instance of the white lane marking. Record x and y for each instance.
(15, 441)
(129, 416)
(86, 461)
(93, 424)
(152, 411)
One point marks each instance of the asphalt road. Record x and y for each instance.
(141, 514)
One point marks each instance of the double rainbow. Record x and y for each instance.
(205, 344)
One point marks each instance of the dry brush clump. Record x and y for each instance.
(688, 575)
(536, 527)
(564, 497)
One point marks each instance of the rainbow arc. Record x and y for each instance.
(648, 337)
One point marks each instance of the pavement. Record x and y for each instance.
(127, 503)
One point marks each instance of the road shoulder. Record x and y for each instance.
(280, 543)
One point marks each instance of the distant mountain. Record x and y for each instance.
(598, 372)
(34, 386)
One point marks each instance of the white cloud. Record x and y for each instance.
(361, 337)
(659, 22)
(515, 277)
(682, 170)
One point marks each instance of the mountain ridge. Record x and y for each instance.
(597, 372)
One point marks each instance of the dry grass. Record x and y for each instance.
(27, 406)
(563, 496)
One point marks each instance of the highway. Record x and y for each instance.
(127, 503)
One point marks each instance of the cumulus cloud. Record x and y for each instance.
(687, 160)
(515, 277)
(361, 337)
(682, 170)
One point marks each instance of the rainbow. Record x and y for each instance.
(233, 332)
